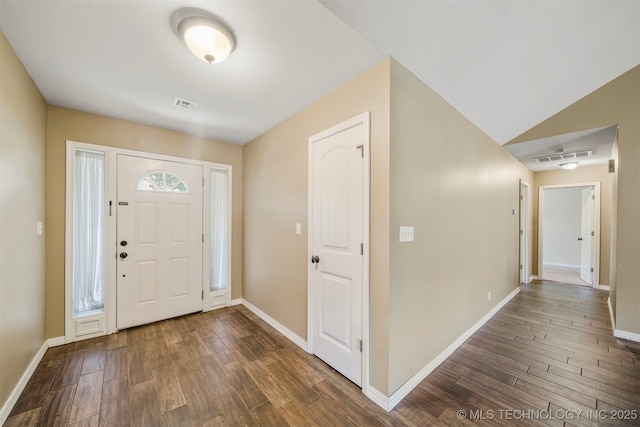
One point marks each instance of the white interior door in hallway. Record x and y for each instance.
(159, 240)
(336, 245)
(525, 238)
(587, 235)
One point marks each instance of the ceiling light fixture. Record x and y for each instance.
(569, 165)
(206, 35)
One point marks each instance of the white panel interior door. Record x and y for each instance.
(336, 235)
(524, 208)
(159, 240)
(586, 234)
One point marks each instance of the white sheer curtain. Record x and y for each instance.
(88, 232)
(219, 229)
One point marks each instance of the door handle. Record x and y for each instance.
(315, 259)
(123, 255)
(123, 243)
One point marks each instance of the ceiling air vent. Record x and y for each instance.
(185, 104)
(564, 156)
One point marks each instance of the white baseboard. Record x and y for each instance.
(54, 342)
(406, 388)
(378, 398)
(631, 336)
(236, 301)
(19, 388)
(603, 287)
(277, 326)
(533, 277)
(567, 266)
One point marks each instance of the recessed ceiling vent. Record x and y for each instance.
(564, 156)
(185, 104)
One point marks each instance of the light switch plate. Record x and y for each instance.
(298, 228)
(406, 234)
(39, 227)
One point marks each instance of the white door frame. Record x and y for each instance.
(525, 228)
(104, 322)
(365, 120)
(596, 226)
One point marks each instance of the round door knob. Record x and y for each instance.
(123, 255)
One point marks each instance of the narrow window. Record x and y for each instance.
(88, 231)
(219, 229)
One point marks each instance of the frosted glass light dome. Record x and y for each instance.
(206, 36)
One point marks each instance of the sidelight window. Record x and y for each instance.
(219, 229)
(88, 231)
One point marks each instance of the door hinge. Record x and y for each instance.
(361, 148)
(521, 197)
(593, 233)
(521, 232)
(110, 206)
(361, 248)
(202, 237)
(360, 346)
(520, 266)
(591, 269)
(593, 197)
(203, 294)
(203, 181)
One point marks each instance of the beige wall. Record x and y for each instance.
(580, 175)
(275, 198)
(23, 121)
(65, 124)
(458, 188)
(616, 102)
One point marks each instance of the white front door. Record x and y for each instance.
(586, 236)
(159, 240)
(336, 238)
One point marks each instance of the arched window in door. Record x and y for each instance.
(162, 181)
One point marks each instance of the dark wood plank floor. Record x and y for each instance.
(546, 353)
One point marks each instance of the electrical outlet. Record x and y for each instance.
(406, 234)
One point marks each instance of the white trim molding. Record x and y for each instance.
(618, 333)
(377, 397)
(613, 320)
(276, 325)
(55, 342)
(596, 226)
(604, 287)
(26, 376)
(631, 336)
(389, 403)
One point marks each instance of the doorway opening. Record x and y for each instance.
(569, 234)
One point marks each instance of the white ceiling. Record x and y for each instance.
(599, 141)
(506, 65)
